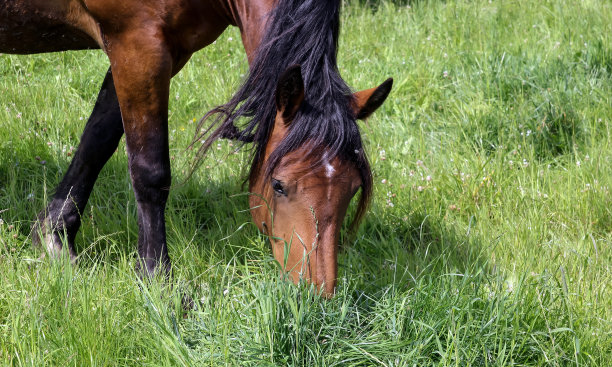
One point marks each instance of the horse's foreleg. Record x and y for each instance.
(58, 224)
(142, 69)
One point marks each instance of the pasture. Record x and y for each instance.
(488, 241)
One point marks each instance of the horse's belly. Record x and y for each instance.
(33, 26)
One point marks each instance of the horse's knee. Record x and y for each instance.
(151, 179)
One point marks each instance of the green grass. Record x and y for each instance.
(489, 240)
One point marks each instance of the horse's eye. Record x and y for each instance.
(277, 186)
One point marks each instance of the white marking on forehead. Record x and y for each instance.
(329, 170)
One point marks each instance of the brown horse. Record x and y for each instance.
(307, 161)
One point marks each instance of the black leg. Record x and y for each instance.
(59, 222)
(151, 178)
(142, 69)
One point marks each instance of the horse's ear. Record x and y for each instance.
(365, 102)
(290, 92)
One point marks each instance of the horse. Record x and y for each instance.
(298, 114)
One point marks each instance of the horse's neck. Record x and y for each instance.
(250, 17)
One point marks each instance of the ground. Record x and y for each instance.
(488, 241)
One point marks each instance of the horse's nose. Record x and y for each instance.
(326, 269)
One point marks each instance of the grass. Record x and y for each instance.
(488, 241)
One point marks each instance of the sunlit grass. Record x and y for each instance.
(488, 241)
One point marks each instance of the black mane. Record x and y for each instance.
(303, 32)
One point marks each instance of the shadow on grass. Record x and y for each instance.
(397, 254)
(542, 98)
(208, 222)
(201, 213)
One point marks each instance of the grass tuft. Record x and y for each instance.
(488, 241)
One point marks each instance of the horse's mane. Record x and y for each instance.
(303, 32)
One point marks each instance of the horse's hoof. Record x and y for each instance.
(45, 236)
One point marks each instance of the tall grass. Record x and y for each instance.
(488, 241)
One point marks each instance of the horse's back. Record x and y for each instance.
(34, 26)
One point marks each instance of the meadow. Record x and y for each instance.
(488, 241)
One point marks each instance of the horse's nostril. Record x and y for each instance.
(265, 227)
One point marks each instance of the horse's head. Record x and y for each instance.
(301, 202)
